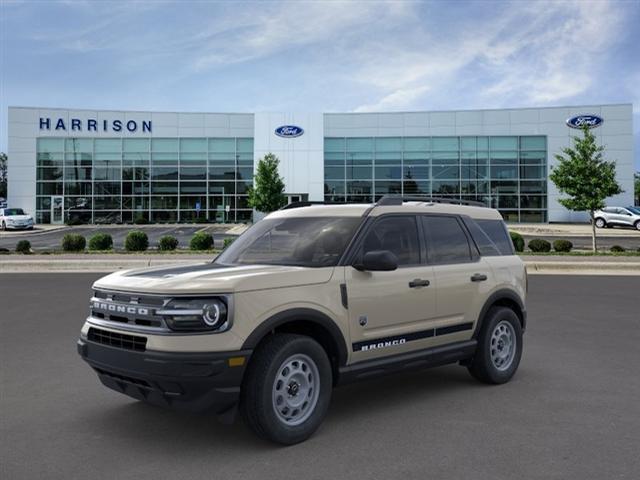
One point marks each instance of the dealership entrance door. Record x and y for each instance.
(57, 209)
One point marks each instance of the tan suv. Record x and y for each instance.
(310, 298)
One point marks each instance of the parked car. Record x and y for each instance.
(308, 298)
(618, 217)
(15, 218)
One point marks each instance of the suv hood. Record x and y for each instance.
(210, 278)
(18, 218)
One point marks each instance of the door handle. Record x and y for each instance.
(478, 277)
(418, 282)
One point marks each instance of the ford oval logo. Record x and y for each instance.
(581, 121)
(289, 131)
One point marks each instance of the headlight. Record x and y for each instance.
(196, 315)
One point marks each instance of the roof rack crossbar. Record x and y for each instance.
(388, 200)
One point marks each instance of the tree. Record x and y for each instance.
(267, 193)
(3, 174)
(636, 187)
(585, 177)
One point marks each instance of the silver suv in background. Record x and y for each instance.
(618, 216)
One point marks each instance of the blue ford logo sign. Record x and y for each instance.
(581, 121)
(289, 131)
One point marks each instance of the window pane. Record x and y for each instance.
(399, 235)
(108, 145)
(245, 145)
(388, 144)
(468, 143)
(504, 143)
(507, 172)
(334, 144)
(383, 173)
(412, 172)
(222, 145)
(445, 144)
(78, 145)
(50, 145)
(359, 144)
(193, 145)
(383, 188)
(417, 144)
(446, 241)
(135, 145)
(359, 188)
(164, 145)
(334, 173)
(412, 187)
(533, 143)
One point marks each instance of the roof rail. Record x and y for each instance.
(388, 200)
(306, 204)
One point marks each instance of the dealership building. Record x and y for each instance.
(106, 166)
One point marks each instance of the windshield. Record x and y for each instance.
(13, 211)
(635, 210)
(299, 241)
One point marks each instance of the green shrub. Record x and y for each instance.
(101, 241)
(73, 242)
(227, 241)
(73, 221)
(539, 245)
(141, 220)
(201, 241)
(167, 243)
(517, 240)
(23, 246)
(562, 245)
(618, 249)
(136, 241)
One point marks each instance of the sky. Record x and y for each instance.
(318, 55)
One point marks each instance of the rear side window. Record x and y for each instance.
(446, 240)
(484, 243)
(496, 230)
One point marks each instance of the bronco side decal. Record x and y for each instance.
(386, 342)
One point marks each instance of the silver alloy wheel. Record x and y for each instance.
(503, 345)
(296, 389)
(599, 223)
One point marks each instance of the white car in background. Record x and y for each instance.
(618, 216)
(15, 218)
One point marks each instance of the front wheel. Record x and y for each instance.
(600, 223)
(287, 390)
(4, 226)
(499, 347)
(637, 225)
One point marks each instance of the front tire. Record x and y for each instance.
(499, 347)
(600, 223)
(637, 225)
(287, 389)
(4, 226)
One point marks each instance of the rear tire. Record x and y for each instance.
(600, 223)
(499, 347)
(287, 388)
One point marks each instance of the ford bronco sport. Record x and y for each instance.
(309, 298)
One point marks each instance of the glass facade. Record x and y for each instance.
(113, 180)
(505, 172)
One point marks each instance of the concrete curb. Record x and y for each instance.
(81, 263)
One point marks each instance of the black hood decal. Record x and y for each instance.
(171, 271)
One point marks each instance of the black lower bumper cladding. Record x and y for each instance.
(193, 382)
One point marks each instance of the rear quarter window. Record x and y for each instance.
(497, 232)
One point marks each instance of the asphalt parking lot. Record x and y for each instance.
(52, 240)
(571, 412)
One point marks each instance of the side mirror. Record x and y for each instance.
(378, 261)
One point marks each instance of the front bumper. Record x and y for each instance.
(192, 382)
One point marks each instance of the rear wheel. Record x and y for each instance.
(600, 223)
(499, 347)
(287, 390)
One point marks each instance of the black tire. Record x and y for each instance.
(4, 226)
(482, 367)
(257, 405)
(637, 225)
(600, 222)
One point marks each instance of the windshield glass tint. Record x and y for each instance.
(635, 210)
(13, 211)
(300, 241)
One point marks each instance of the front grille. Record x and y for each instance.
(130, 309)
(118, 340)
